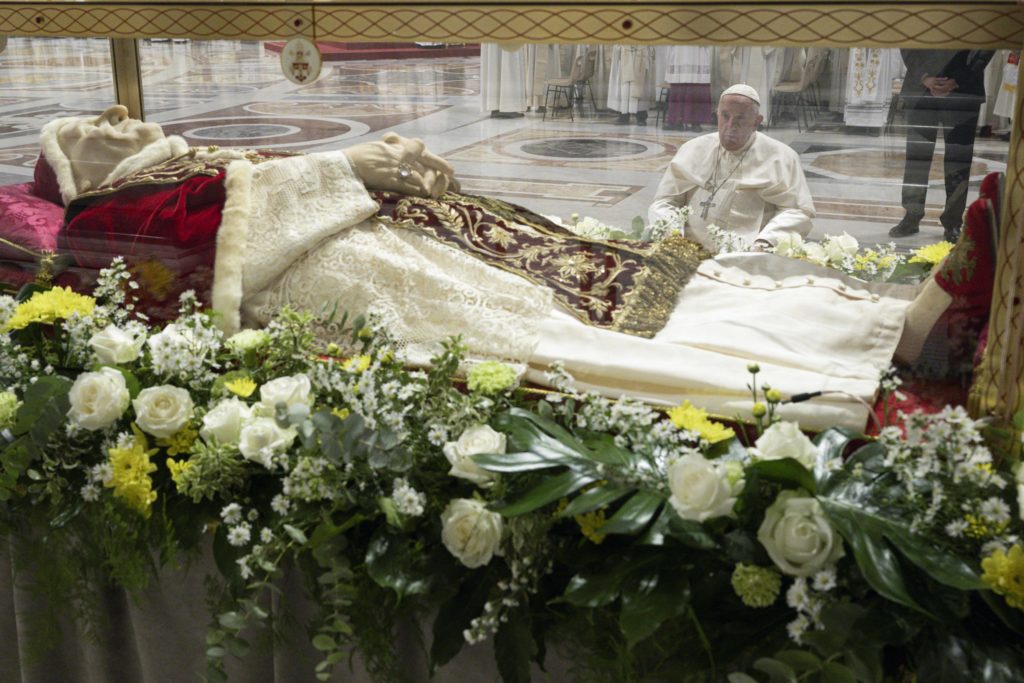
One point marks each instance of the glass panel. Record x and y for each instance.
(42, 79)
(582, 137)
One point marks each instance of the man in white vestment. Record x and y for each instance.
(503, 80)
(737, 179)
(304, 230)
(631, 82)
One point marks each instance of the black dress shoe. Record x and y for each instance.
(906, 227)
(622, 120)
(641, 118)
(951, 235)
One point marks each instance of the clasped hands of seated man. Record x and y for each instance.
(402, 165)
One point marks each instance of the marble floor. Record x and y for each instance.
(234, 94)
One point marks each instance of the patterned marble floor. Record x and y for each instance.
(233, 94)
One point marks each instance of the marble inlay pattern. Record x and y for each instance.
(251, 131)
(874, 165)
(655, 151)
(593, 194)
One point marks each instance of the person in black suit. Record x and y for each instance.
(942, 88)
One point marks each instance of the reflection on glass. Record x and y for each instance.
(821, 151)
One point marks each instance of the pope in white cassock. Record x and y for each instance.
(737, 179)
(305, 230)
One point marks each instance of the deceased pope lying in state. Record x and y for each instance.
(661, 321)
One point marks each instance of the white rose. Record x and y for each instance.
(789, 244)
(163, 410)
(471, 532)
(98, 399)
(224, 421)
(785, 440)
(798, 536)
(815, 253)
(702, 489)
(294, 390)
(476, 439)
(261, 437)
(845, 245)
(114, 345)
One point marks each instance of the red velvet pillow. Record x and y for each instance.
(28, 221)
(44, 183)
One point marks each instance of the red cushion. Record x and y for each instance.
(44, 183)
(28, 221)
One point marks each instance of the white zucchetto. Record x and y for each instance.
(742, 89)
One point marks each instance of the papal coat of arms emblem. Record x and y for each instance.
(301, 61)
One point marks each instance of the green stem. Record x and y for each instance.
(704, 641)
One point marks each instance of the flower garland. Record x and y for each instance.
(657, 545)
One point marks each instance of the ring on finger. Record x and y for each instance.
(404, 171)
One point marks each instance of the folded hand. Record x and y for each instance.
(402, 165)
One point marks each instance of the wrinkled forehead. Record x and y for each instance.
(736, 104)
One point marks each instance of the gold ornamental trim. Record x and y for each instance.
(976, 25)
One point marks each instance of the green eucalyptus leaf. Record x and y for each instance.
(233, 621)
(650, 597)
(834, 672)
(44, 408)
(514, 646)
(799, 660)
(635, 514)
(324, 642)
(549, 490)
(777, 671)
(740, 677)
(865, 661)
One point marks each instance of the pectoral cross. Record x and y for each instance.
(706, 204)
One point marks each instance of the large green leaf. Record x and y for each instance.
(391, 563)
(831, 444)
(521, 462)
(635, 514)
(600, 586)
(594, 498)
(528, 431)
(690, 532)
(455, 615)
(603, 449)
(786, 471)
(649, 597)
(514, 646)
(551, 489)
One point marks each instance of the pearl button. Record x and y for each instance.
(718, 273)
(842, 288)
(875, 297)
(778, 283)
(810, 280)
(746, 282)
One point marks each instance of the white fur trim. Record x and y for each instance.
(231, 240)
(58, 161)
(152, 154)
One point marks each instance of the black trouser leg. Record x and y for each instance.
(922, 127)
(961, 127)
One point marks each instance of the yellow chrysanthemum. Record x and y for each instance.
(357, 363)
(243, 386)
(50, 306)
(979, 527)
(181, 441)
(931, 254)
(1004, 573)
(341, 413)
(590, 524)
(178, 468)
(694, 419)
(131, 481)
(155, 277)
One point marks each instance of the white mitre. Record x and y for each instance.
(88, 152)
(742, 89)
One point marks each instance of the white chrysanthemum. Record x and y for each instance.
(231, 513)
(239, 535)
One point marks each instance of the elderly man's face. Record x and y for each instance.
(737, 121)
